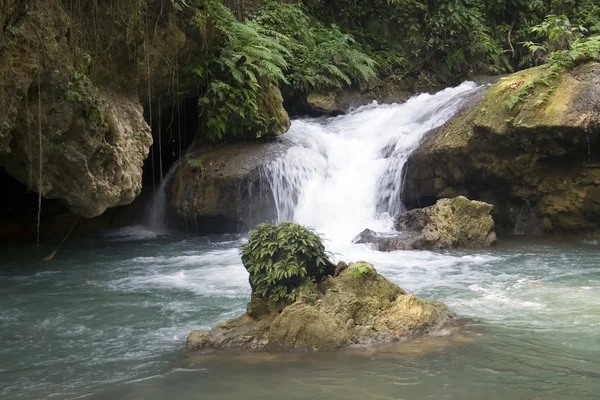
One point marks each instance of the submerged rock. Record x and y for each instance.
(349, 309)
(387, 241)
(450, 223)
(534, 156)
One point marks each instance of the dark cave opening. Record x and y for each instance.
(174, 129)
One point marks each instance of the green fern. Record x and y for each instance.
(284, 260)
(361, 269)
(321, 57)
(237, 70)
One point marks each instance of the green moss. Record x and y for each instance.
(81, 91)
(63, 147)
(535, 97)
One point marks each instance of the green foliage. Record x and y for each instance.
(284, 261)
(320, 56)
(195, 163)
(563, 47)
(278, 45)
(80, 90)
(361, 269)
(232, 75)
(454, 37)
(542, 83)
(580, 50)
(557, 34)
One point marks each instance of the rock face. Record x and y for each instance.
(91, 142)
(93, 145)
(450, 223)
(79, 102)
(391, 89)
(350, 309)
(88, 140)
(224, 187)
(538, 162)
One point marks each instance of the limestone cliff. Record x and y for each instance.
(80, 84)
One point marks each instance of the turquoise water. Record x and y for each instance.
(108, 317)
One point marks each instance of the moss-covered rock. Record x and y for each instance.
(301, 301)
(450, 223)
(530, 147)
(86, 142)
(351, 309)
(222, 187)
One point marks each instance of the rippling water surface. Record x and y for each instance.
(108, 319)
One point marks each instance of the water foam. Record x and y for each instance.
(344, 174)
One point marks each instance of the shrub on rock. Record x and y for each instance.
(301, 301)
(284, 260)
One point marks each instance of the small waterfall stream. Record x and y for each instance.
(344, 174)
(157, 219)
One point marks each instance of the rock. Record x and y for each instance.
(271, 109)
(387, 241)
(537, 163)
(391, 89)
(450, 223)
(325, 103)
(92, 135)
(93, 144)
(352, 309)
(223, 187)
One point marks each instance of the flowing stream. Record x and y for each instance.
(108, 316)
(343, 175)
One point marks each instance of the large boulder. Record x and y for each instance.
(530, 147)
(224, 186)
(351, 308)
(67, 130)
(301, 301)
(88, 148)
(450, 223)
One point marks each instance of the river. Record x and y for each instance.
(108, 316)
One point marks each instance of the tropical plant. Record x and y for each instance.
(283, 260)
(361, 269)
(233, 76)
(320, 56)
(580, 50)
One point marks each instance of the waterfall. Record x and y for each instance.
(344, 174)
(157, 219)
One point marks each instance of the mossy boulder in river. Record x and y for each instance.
(531, 148)
(300, 301)
(450, 223)
(222, 187)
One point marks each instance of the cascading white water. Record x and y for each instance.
(157, 219)
(342, 175)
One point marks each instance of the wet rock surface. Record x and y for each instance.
(349, 309)
(537, 163)
(224, 186)
(450, 223)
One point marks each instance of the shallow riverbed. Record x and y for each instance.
(108, 317)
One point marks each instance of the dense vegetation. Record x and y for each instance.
(244, 50)
(322, 45)
(284, 260)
